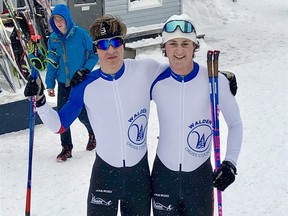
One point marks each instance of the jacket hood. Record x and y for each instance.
(63, 11)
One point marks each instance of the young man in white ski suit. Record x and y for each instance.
(116, 97)
(182, 182)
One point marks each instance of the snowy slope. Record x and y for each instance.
(253, 39)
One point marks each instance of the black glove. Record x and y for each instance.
(232, 81)
(78, 77)
(224, 176)
(35, 88)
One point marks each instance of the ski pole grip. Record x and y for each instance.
(209, 62)
(215, 62)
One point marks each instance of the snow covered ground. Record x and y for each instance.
(253, 39)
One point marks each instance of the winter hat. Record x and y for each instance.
(166, 36)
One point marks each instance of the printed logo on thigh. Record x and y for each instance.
(99, 201)
(161, 207)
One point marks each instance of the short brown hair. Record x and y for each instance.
(113, 25)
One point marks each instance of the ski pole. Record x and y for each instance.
(34, 74)
(214, 101)
(31, 142)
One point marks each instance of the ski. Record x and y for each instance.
(25, 53)
(6, 47)
(30, 15)
(21, 36)
(10, 83)
(19, 39)
(8, 53)
(212, 66)
(37, 16)
(8, 58)
(43, 11)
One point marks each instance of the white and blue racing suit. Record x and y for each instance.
(182, 171)
(118, 110)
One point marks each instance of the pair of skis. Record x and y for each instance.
(13, 62)
(212, 66)
(25, 25)
(9, 68)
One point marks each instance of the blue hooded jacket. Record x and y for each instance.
(68, 53)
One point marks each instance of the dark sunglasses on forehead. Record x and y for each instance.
(104, 44)
(184, 26)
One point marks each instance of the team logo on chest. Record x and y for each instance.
(199, 138)
(138, 129)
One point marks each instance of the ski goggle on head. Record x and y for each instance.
(183, 25)
(104, 44)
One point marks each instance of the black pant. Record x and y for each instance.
(130, 185)
(178, 193)
(62, 98)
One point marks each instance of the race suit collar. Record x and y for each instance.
(111, 77)
(187, 77)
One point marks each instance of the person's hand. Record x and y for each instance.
(78, 77)
(224, 176)
(51, 92)
(35, 88)
(232, 81)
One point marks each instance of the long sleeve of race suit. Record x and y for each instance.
(50, 118)
(58, 122)
(231, 113)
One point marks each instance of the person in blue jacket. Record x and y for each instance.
(70, 58)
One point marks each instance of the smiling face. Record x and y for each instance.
(180, 53)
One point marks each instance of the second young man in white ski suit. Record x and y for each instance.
(182, 180)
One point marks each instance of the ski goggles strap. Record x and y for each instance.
(104, 44)
(184, 26)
